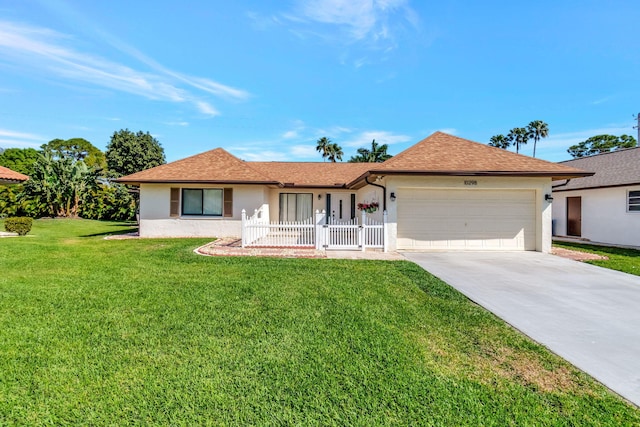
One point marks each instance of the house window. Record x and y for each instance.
(202, 201)
(296, 206)
(633, 199)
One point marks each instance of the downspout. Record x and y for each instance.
(384, 192)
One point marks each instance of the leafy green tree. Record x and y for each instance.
(59, 184)
(19, 159)
(601, 144)
(518, 137)
(377, 154)
(77, 149)
(334, 152)
(108, 201)
(322, 146)
(537, 129)
(499, 141)
(130, 152)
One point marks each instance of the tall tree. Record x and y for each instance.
(322, 145)
(58, 183)
(19, 159)
(130, 152)
(377, 154)
(537, 129)
(601, 144)
(518, 137)
(499, 141)
(77, 149)
(334, 152)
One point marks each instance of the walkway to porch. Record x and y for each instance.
(232, 246)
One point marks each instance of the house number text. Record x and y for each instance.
(471, 182)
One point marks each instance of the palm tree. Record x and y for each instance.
(333, 152)
(377, 154)
(518, 137)
(537, 129)
(499, 141)
(322, 146)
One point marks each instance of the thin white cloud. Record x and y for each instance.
(206, 109)
(10, 138)
(290, 134)
(374, 22)
(47, 51)
(177, 123)
(450, 131)
(363, 139)
(304, 151)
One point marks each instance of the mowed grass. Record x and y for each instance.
(621, 259)
(113, 332)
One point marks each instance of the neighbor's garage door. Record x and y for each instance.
(466, 219)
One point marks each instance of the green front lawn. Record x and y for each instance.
(621, 259)
(98, 332)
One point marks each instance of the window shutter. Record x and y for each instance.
(174, 209)
(228, 202)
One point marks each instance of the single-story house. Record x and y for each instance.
(604, 207)
(443, 193)
(8, 176)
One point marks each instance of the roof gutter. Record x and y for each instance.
(384, 192)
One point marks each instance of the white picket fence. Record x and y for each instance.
(323, 233)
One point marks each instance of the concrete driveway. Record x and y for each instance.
(588, 315)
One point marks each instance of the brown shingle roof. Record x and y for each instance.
(439, 154)
(312, 174)
(444, 154)
(215, 166)
(9, 176)
(617, 168)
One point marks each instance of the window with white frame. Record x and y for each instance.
(202, 201)
(296, 206)
(633, 201)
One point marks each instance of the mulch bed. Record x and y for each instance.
(577, 255)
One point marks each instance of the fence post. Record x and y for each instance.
(243, 231)
(320, 220)
(362, 233)
(385, 233)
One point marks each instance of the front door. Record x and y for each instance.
(342, 206)
(574, 216)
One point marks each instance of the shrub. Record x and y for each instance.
(21, 225)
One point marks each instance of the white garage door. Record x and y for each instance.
(466, 219)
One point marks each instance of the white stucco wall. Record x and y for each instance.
(605, 218)
(155, 219)
(541, 186)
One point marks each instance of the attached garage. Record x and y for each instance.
(478, 219)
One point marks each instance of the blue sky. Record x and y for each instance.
(265, 80)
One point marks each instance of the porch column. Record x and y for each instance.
(385, 232)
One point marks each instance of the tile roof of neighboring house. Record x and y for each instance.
(614, 169)
(439, 154)
(444, 154)
(9, 176)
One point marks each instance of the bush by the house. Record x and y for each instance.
(21, 225)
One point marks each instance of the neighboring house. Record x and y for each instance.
(443, 193)
(8, 176)
(604, 207)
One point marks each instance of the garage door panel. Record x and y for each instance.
(466, 219)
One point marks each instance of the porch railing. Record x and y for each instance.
(319, 232)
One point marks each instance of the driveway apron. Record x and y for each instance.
(588, 315)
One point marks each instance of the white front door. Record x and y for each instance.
(342, 206)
